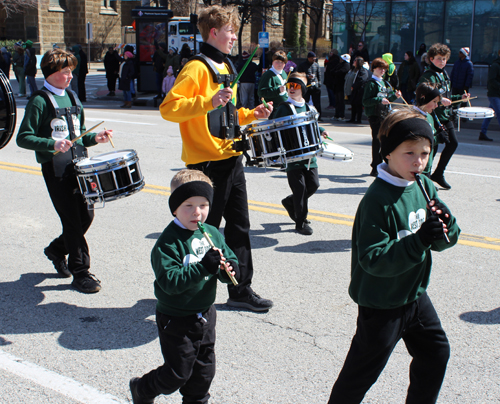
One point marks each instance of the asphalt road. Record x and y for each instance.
(60, 346)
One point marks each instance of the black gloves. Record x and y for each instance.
(431, 230)
(211, 261)
(445, 211)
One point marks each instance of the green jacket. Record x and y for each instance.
(375, 91)
(269, 85)
(390, 267)
(183, 286)
(35, 132)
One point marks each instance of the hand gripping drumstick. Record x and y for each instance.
(468, 99)
(202, 229)
(82, 135)
(460, 101)
(110, 140)
(427, 199)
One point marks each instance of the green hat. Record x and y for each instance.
(28, 44)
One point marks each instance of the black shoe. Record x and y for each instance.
(482, 136)
(87, 283)
(289, 208)
(350, 121)
(111, 94)
(60, 263)
(251, 302)
(374, 172)
(439, 179)
(134, 95)
(304, 229)
(135, 395)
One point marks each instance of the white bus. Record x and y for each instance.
(180, 31)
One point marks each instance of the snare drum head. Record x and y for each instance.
(476, 112)
(336, 152)
(106, 159)
(7, 111)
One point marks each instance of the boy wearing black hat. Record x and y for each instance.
(394, 231)
(186, 270)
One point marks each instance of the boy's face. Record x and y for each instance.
(223, 39)
(60, 79)
(295, 91)
(192, 211)
(408, 158)
(278, 65)
(379, 71)
(439, 61)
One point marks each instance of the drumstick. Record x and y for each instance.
(265, 103)
(110, 140)
(205, 234)
(82, 135)
(289, 72)
(459, 101)
(428, 200)
(468, 99)
(402, 105)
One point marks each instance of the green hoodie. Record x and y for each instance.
(388, 58)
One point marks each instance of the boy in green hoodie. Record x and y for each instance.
(186, 269)
(393, 234)
(391, 75)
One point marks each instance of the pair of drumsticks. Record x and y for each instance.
(87, 131)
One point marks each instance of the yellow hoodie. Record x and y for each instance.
(188, 103)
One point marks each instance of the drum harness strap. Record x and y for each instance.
(63, 160)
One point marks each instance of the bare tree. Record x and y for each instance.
(16, 6)
(101, 35)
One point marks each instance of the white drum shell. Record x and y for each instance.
(475, 112)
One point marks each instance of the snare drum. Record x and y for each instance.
(109, 176)
(336, 152)
(285, 140)
(7, 111)
(476, 112)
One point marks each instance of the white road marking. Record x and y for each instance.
(61, 384)
(117, 120)
(473, 175)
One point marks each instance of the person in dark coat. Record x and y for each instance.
(7, 59)
(330, 64)
(159, 67)
(493, 86)
(357, 89)
(84, 70)
(246, 86)
(311, 68)
(30, 66)
(338, 86)
(362, 51)
(127, 71)
(112, 66)
(185, 52)
(462, 73)
(408, 74)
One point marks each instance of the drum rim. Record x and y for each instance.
(11, 108)
(107, 163)
(273, 122)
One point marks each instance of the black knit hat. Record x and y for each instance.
(188, 190)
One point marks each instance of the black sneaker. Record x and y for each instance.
(251, 302)
(288, 205)
(135, 395)
(439, 179)
(87, 284)
(60, 263)
(304, 229)
(482, 136)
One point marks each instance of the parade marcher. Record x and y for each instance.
(377, 96)
(84, 70)
(427, 100)
(394, 231)
(185, 315)
(53, 119)
(493, 87)
(112, 67)
(208, 145)
(246, 86)
(339, 73)
(126, 74)
(361, 76)
(391, 74)
(272, 84)
(328, 78)
(18, 65)
(311, 68)
(168, 81)
(303, 177)
(438, 55)
(408, 74)
(30, 66)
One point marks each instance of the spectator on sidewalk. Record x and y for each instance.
(311, 68)
(493, 86)
(408, 74)
(7, 59)
(84, 70)
(111, 65)
(339, 74)
(246, 85)
(18, 65)
(30, 66)
(328, 79)
(76, 72)
(462, 74)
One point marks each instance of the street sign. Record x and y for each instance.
(88, 31)
(264, 40)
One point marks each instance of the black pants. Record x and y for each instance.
(375, 122)
(231, 203)
(75, 219)
(339, 104)
(356, 112)
(378, 332)
(303, 183)
(187, 345)
(315, 94)
(82, 92)
(449, 149)
(111, 82)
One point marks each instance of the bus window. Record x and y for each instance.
(173, 30)
(185, 28)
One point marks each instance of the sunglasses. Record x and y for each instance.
(293, 86)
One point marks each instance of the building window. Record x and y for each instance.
(108, 7)
(56, 6)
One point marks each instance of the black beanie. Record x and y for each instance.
(406, 129)
(188, 190)
(299, 81)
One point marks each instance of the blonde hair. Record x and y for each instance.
(187, 175)
(396, 117)
(216, 17)
(302, 76)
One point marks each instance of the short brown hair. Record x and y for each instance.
(424, 88)
(187, 175)
(438, 49)
(280, 55)
(57, 59)
(396, 117)
(216, 17)
(379, 62)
